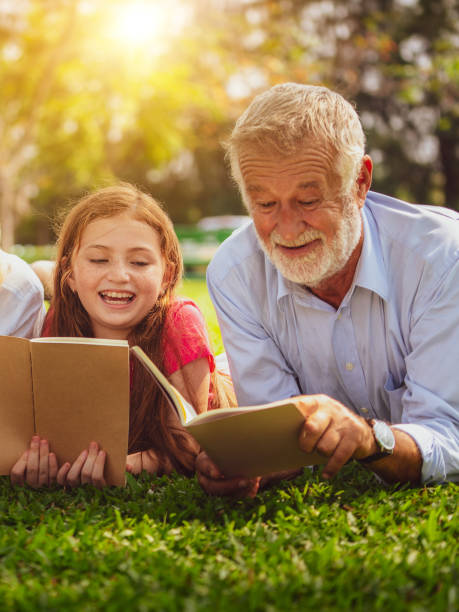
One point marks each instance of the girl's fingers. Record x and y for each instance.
(33, 462)
(43, 468)
(61, 477)
(73, 475)
(52, 468)
(17, 473)
(98, 479)
(134, 463)
(88, 467)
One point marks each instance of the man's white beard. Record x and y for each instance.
(323, 261)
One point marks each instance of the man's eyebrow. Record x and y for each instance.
(255, 188)
(301, 185)
(308, 185)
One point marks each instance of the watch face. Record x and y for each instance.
(384, 435)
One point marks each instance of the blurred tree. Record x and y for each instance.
(397, 60)
(26, 87)
(80, 107)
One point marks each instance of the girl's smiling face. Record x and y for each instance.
(118, 273)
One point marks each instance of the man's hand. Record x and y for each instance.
(214, 482)
(334, 431)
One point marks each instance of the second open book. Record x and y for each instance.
(242, 441)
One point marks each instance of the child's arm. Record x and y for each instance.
(193, 382)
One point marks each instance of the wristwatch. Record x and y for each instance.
(385, 440)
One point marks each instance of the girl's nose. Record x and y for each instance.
(118, 272)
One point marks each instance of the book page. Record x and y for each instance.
(78, 340)
(256, 442)
(242, 441)
(184, 409)
(81, 394)
(16, 406)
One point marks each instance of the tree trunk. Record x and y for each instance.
(6, 212)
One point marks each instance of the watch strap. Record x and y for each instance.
(382, 452)
(374, 457)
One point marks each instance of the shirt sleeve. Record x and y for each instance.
(185, 337)
(430, 403)
(259, 371)
(22, 312)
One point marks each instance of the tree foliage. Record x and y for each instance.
(80, 108)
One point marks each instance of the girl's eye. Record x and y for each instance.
(98, 261)
(140, 263)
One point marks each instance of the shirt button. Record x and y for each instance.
(364, 410)
(339, 316)
(349, 366)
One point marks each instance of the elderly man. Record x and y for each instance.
(339, 295)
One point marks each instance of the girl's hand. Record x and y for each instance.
(37, 467)
(148, 460)
(88, 468)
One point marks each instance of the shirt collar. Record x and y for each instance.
(370, 272)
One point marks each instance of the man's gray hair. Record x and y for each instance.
(283, 119)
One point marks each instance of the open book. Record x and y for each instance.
(69, 391)
(242, 441)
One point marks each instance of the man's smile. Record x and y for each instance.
(299, 249)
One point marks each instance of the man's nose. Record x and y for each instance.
(290, 223)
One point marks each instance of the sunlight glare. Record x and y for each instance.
(142, 22)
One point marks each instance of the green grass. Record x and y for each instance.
(195, 288)
(163, 544)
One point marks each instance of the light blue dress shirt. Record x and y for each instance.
(22, 310)
(390, 351)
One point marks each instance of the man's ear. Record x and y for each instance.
(364, 179)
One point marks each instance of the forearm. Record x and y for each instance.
(404, 465)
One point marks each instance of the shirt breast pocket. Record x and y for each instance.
(394, 395)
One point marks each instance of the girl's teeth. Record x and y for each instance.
(116, 296)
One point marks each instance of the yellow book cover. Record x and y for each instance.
(69, 391)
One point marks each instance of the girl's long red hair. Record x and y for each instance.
(151, 425)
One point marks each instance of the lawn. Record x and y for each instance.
(196, 289)
(163, 544)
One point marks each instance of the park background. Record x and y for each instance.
(92, 92)
(145, 91)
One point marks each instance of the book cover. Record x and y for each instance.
(69, 391)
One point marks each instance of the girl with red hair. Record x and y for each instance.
(117, 269)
